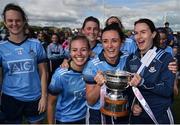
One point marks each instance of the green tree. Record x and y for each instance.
(1, 24)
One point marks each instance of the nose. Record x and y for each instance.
(14, 22)
(79, 52)
(138, 36)
(110, 44)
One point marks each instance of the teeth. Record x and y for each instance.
(79, 59)
(110, 50)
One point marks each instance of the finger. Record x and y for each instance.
(130, 84)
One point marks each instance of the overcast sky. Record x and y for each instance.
(71, 13)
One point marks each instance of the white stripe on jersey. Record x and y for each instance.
(3, 42)
(159, 54)
(96, 61)
(63, 71)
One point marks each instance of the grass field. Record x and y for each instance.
(176, 107)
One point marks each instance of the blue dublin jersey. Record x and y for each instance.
(69, 86)
(129, 46)
(100, 63)
(20, 68)
(97, 48)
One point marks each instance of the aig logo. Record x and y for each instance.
(20, 66)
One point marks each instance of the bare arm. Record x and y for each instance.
(93, 91)
(43, 76)
(50, 109)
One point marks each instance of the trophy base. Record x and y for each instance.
(116, 108)
(115, 114)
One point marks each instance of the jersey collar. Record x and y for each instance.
(102, 58)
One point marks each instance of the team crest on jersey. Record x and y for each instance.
(152, 69)
(79, 94)
(19, 51)
(32, 53)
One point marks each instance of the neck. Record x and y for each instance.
(75, 67)
(111, 60)
(145, 51)
(92, 44)
(17, 38)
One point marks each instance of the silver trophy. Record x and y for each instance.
(115, 102)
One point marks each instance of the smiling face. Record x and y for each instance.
(111, 42)
(14, 22)
(91, 31)
(163, 38)
(79, 52)
(144, 37)
(54, 38)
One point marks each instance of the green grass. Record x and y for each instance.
(176, 107)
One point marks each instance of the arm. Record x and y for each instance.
(50, 55)
(50, 109)
(93, 90)
(164, 80)
(53, 56)
(43, 76)
(92, 93)
(176, 90)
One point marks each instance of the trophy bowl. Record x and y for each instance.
(117, 80)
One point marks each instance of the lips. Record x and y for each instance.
(140, 43)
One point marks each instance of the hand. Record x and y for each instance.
(135, 81)
(99, 78)
(136, 109)
(42, 104)
(65, 64)
(173, 66)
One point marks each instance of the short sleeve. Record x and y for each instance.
(55, 85)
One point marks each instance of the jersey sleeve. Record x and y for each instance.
(89, 73)
(41, 54)
(55, 85)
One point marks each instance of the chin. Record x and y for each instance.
(80, 63)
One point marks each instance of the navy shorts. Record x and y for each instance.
(15, 110)
(94, 116)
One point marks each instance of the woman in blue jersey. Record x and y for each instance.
(67, 87)
(24, 87)
(110, 58)
(155, 82)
